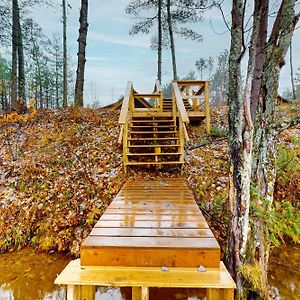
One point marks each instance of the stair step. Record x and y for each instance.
(152, 132)
(151, 126)
(153, 154)
(152, 121)
(147, 146)
(154, 163)
(154, 139)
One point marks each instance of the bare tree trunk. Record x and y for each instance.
(292, 72)
(171, 35)
(56, 81)
(251, 137)
(235, 115)
(14, 67)
(21, 79)
(78, 101)
(65, 62)
(159, 48)
(263, 171)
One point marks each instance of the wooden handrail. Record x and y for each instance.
(179, 103)
(153, 95)
(186, 136)
(125, 104)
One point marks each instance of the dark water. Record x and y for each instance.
(26, 275)
(284, 271)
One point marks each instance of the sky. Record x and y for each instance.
(114, 57)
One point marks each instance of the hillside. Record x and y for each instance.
(60, 169)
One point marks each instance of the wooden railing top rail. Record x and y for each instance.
(191, 82)
(125, 104)
(179, 103)
(154, 95)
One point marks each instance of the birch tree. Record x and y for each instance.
(251, 138)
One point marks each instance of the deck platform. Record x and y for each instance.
(152, 224)
(217, 281)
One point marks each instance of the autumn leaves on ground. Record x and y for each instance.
(60, 169)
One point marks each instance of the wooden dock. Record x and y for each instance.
(151, 235)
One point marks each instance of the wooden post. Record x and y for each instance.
(219, 294)
(207, 107)
(140, 293)
(125, 145)
(81, 292)
(195, 104)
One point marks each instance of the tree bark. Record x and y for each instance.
(159, 48)
(65, 59)
(78, 101)
(292, 72)
(171, 36)
(235, 115)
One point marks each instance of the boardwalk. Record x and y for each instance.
(152, 223)
(151, 235)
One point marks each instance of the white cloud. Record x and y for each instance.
(119, 40)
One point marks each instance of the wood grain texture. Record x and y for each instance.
(220, 294)
(147, 256)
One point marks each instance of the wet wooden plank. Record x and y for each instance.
(158, 211)
(150, 205)
(152, 201)
(152, 217)
(151, 224)
(145, 232)
(150, 242)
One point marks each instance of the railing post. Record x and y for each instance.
(140, 293)
(220, 294)
(131, 103)
(80, 292)
(207, 107)
(125, 144)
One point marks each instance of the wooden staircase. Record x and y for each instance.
(153, 140)
(152, 136)
(156, 135)
(168, 103)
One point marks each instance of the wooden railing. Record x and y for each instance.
(127, 105)
(197, 93)
(178, 106)
(158, 90)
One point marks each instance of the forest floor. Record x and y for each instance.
(60, 169)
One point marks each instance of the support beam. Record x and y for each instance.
(80, 292)
(220, 294)
(140, 293)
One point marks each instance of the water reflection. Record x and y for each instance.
(27, 275)
(284, 272)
